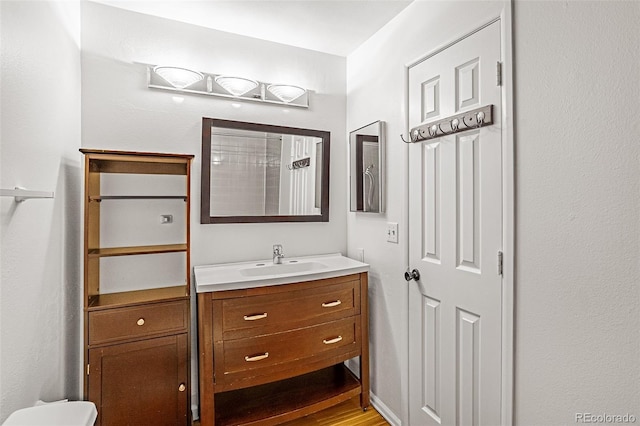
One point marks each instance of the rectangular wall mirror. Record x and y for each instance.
(367, 161)
(263, 173)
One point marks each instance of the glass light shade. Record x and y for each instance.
(178, 77)
(237, 86)
(285, 92)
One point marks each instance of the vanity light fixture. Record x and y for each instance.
(183, 80)
(285, 92)
(178, 77)
(237, 86)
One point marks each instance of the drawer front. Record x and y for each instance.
(287, 310)
(140, 321)
(264, 352)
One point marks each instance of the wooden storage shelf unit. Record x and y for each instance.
(136, 297)
(275, 353)
(130, 251)
(137, 350)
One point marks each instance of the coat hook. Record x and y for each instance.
(403, 139)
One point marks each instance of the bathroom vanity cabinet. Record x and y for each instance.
(275, 353)
(137, 287)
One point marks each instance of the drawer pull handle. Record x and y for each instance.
(331, 341)
(332, 304)
(140, 321)
(182, 387)
(256, 357)
(254, 317)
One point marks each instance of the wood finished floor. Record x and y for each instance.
(346, 414)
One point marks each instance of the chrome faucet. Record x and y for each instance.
(277, 254)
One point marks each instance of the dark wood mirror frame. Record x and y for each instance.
(205, 190)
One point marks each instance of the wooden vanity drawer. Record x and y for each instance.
(139, 321)
(280, 349)
(241, 317)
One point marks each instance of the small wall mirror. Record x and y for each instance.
(366, 151)
(263, 173)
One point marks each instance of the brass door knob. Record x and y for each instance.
(140, 321)
(182, 387)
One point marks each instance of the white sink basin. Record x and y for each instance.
(287, 267)
(234, 276)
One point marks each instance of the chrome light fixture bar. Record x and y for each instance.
(183, 80)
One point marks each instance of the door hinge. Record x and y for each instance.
(498, 73)
(500, 263)
(88, 368)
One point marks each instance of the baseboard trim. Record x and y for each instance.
(384, 410)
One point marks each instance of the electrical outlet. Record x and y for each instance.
(166, 218)
(392, 232)
(360, 254)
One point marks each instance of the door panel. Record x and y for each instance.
(455, 218)
(431, 98)
(467, 351)
(431, 352)
(468, 201)
(467, 90)
(432, 205)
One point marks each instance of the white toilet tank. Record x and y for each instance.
(75, 413)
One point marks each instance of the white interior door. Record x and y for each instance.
(455, 224)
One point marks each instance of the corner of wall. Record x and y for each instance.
(40, 114)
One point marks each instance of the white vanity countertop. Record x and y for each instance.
(235, 276)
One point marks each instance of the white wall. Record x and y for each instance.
(40, 135)
(578, 198)
(120, 112)
(577, 227)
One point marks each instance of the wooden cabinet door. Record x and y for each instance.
(140, 383)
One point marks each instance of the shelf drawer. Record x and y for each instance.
(253, 315)
(111, 325)
(280, 349)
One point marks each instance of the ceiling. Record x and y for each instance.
(332, 26)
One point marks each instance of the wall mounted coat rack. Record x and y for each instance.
(469, 120)
(298, 164)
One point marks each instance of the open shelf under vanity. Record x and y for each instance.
(288, 399)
